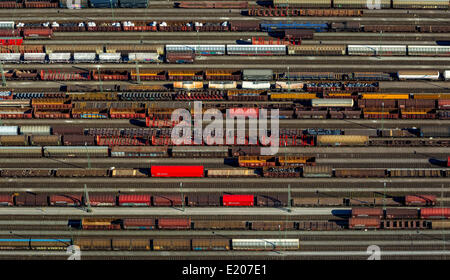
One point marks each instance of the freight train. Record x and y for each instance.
(364, 4)
(301, 30)
(337, 4)
(300, 105)
(377, 218)
(197, 199)
(144, 244)
(273, 167)
(177, 53)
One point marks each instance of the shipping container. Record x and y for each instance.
(420, 200)
(177, 171)
(364, 223)
(342, 140)
(238, 200)
(435, 213)
(134, 200)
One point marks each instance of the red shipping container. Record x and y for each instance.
(37, 32)
(363, 223)
(435, 213)
(134, 200)
(174, 223)
(444, 104)
(420, 200)
(6, 200)
(65, 199)
(238, 200)
(177, 171)
(367, 212)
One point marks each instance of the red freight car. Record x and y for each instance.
(177, 171)
(238, 200)
(174, 223)
(367, 212)
(435, 213)
(134, 200)
(364, 223)
(36, 33)
(6, 200)
(444, 104)
(420, 200)
(66, 200)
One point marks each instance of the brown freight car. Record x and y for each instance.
(318, 225)
(367, 212)
(390, 28)
(404, 224)
(179, 244)
(100, 199)
(169, 200)
(134, 244)
(219, 224)
(359, 173)
(399, 213)
(272, 199)
(80, 172)
(93, 244)
(174, 223)
(204, 244)
(272, 225)
(139, 223)
(31, 199)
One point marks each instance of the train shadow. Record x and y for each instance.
(231, 162)
(341, 213)
(138, 123)
(438, 162)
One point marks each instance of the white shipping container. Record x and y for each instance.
(223, 85)
(143, 57)
(10, 57)
(109, 57)
(376, 49)
(34, 57)
(84, 57)
(447, 74)
(429, 50)
(332, 102)
(59, 57)
(418, 75)
(35, 129)
(255, 85)
(9, 130)
(289, 85)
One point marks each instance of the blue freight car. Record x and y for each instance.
(318, 27)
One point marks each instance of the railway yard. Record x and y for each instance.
(88, 141)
